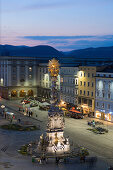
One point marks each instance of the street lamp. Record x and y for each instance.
(2, 106)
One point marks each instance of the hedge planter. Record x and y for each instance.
(98, 130)
(19, 127)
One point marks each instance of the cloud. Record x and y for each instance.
(73, 42)
(56, 37)
(62, 43)
(39, 5)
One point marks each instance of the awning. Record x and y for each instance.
(75, 111)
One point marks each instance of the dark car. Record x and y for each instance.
(77, 115)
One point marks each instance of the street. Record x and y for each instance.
(98, 145)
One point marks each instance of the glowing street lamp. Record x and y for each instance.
(2, 106)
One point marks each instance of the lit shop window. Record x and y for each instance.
(61, 80)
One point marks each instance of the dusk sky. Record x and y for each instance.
(63, 24)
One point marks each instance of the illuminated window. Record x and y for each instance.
(30, 76)
(61, 79)
(30, 68)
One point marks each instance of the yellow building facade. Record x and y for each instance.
(86, 89)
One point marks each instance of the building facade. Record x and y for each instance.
(44, 81)
(104, 95)
(18, 77)
(69, 84)
(86, 89)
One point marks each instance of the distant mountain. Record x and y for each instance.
(46, 52)
(101, 52)
(6, 50)
(37, 51)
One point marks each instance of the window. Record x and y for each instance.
(84, 92)
(103, 105)
(108, 95)
(30, 68)
(88, 74)
(104, 85)
(98, 75)
(92, 74)
(61, 79)
(84, 75)
(84, 83)
(104, 75)
(30, 76)
(81, 74)
(92, 94)
(22, 68)
(76, 92)
(76, 82)
(92, 84)
(109, 85)
(81, 83)
(47, 85)
(88, 84)
(80, 91)
(108, 106)
(109, 75)
(103, 95)
(87, 93)
(97, 104)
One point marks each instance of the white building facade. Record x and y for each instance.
(69, 84)
(104, 96)
(18, 77)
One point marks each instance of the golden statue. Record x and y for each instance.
(53, 67)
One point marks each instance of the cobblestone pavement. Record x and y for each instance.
(10, 142)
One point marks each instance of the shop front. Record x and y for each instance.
(104, 116)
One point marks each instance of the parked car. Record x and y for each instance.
(10, 115)
(77, 116)
(25, 101)
(33, 104)
(46, 108)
